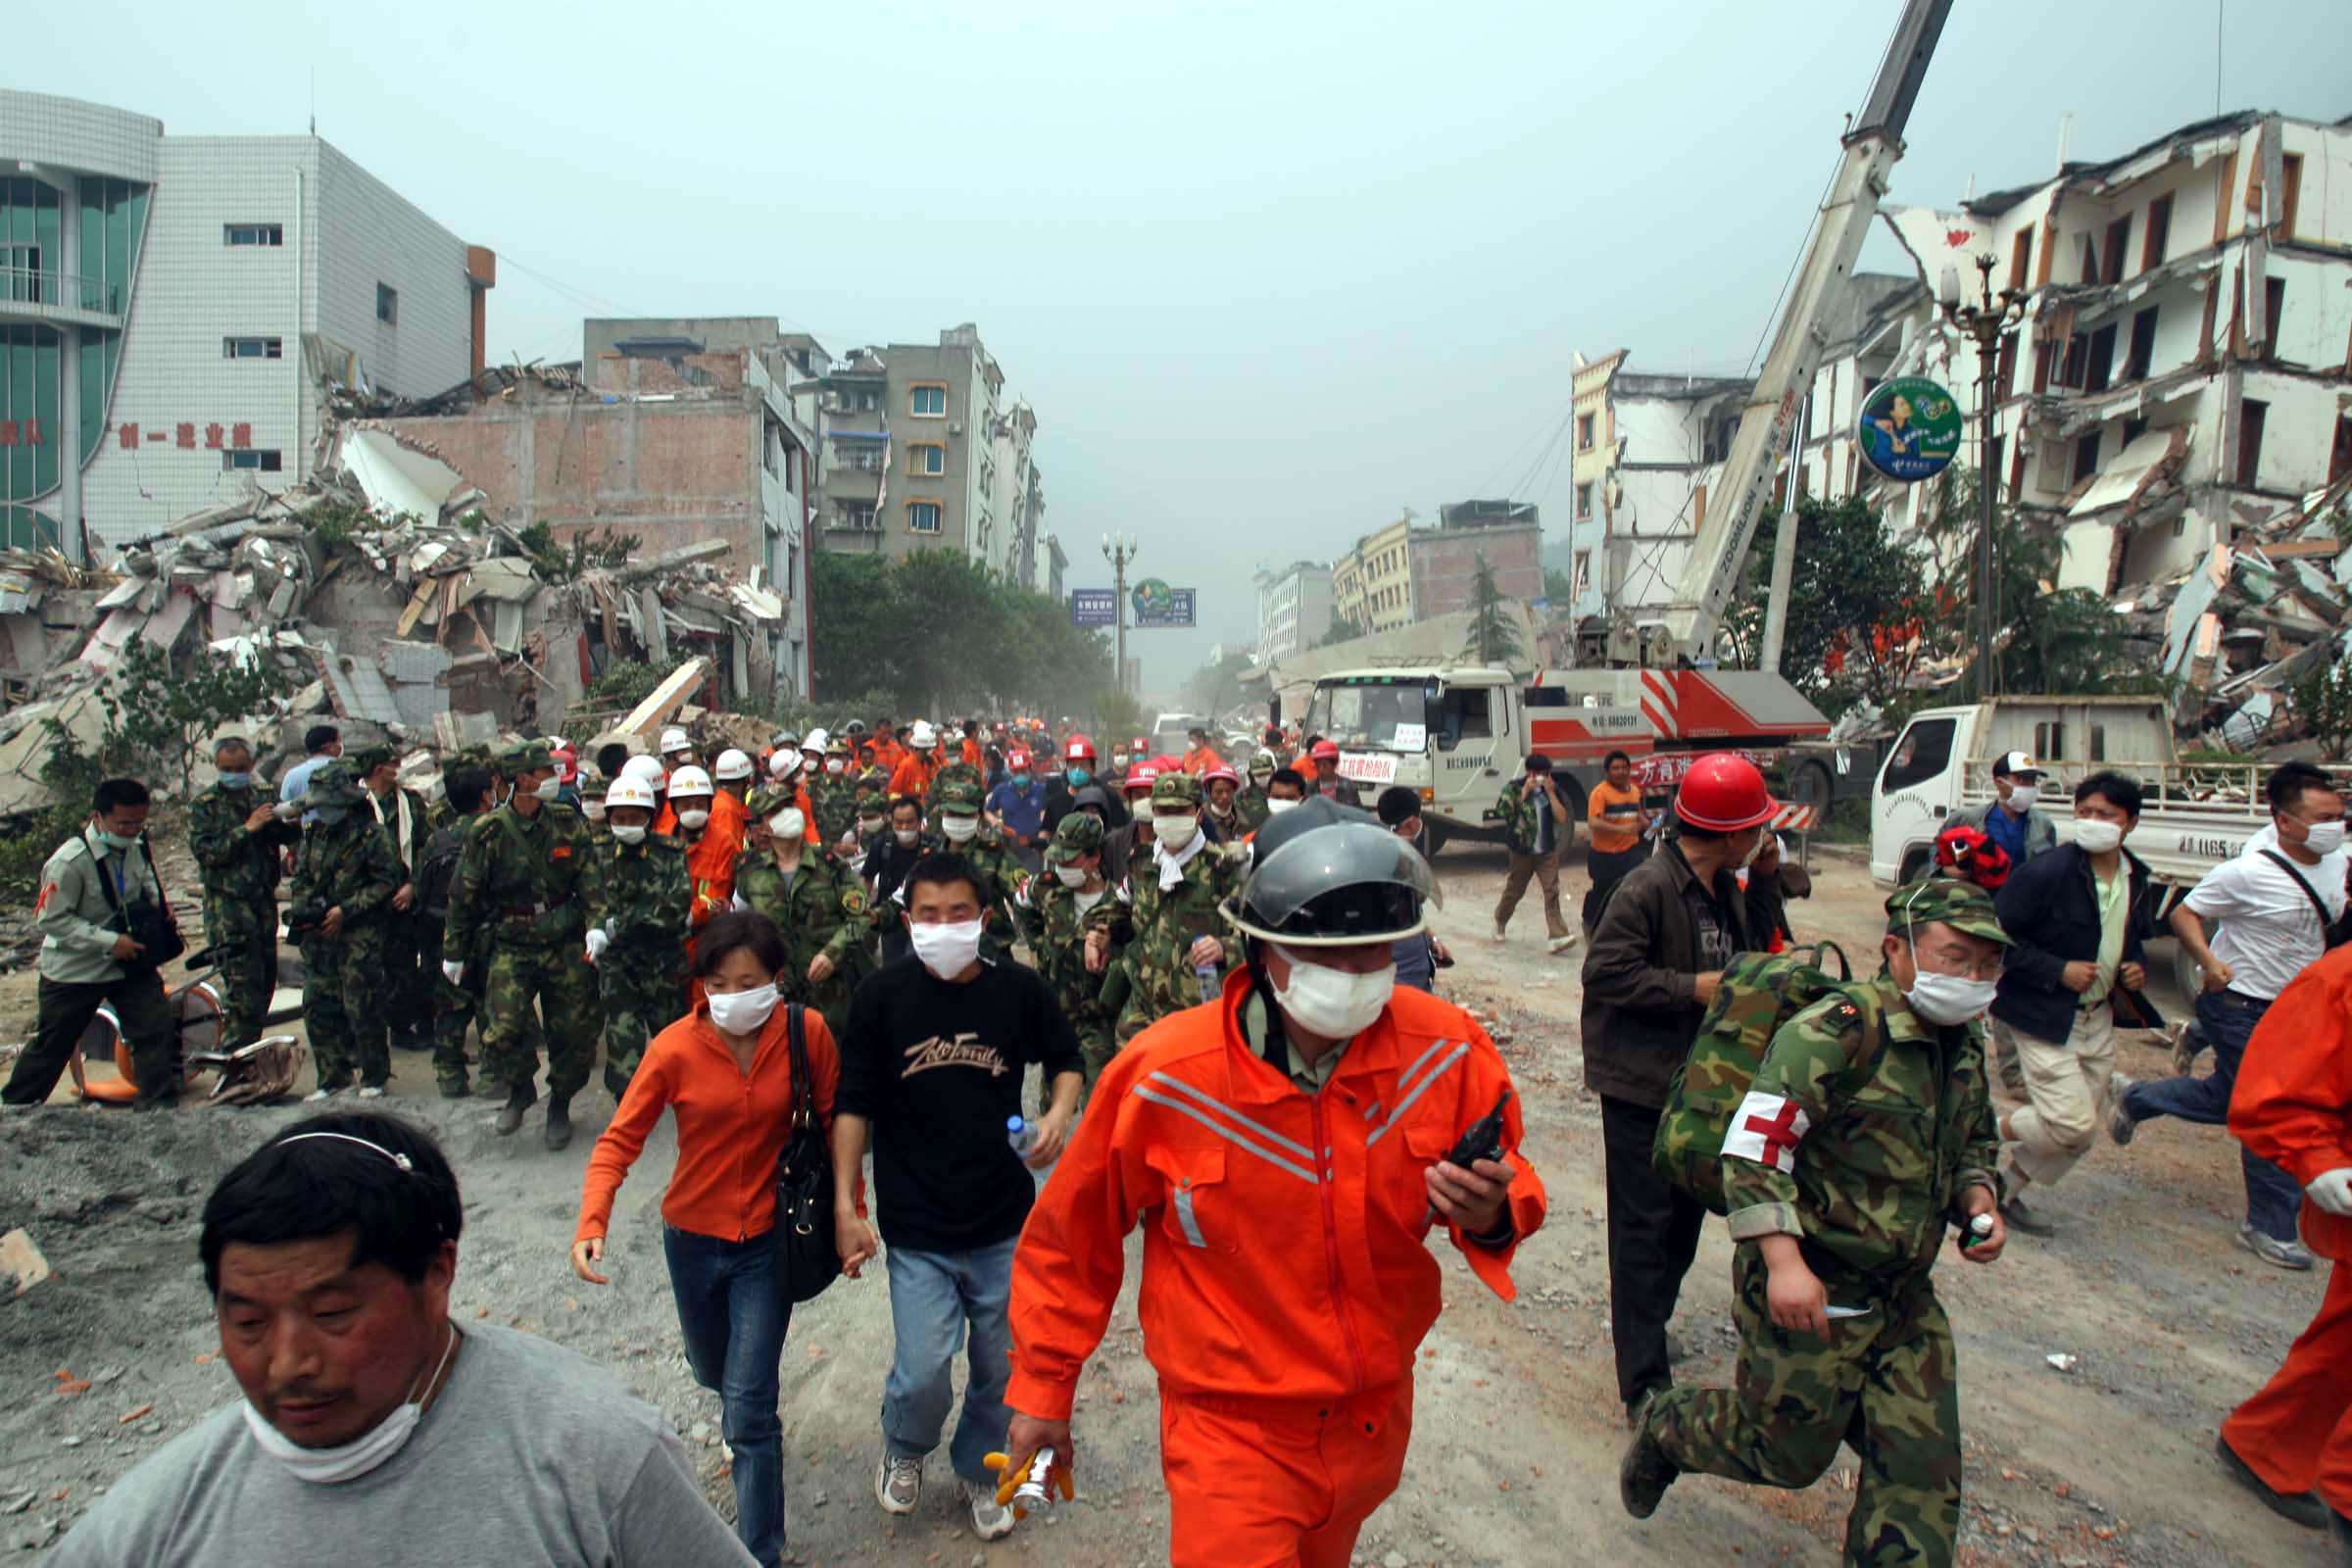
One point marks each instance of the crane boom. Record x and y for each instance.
(1871, 148)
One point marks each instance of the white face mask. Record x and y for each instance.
(742, 1012)
(549, 788)
(324, 1467)
(1175, 830)
(947, 950)
(869, 824)
(834, 764)
(2325, 838)
(593, 809)
(1278, 807)
(2024, 797)
(959, 829)
(906, 835)
(693, 816)
(1071, 876)
(1949, 999)
(2095, 837)
(629, 835)
(790, 824)
(1332, 1002)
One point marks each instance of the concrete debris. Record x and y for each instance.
(21, 1263)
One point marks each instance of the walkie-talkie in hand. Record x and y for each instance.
(1483, 1139)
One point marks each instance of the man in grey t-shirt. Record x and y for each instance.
(371, 1424)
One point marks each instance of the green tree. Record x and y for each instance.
(1217, 687)
(1559, 588)
(1343, 630)
(2324, 701)
(1494, 636)
(159, 710)
(1118, 717)
(1860, 611)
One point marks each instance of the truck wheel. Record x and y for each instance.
(1574, 794)
(1809, 785)
(1915, 866)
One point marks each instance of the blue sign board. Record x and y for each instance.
(1094, 606)
(1158, 605)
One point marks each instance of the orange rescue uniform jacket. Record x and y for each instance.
(711, 859)
(1201, 758)
(1286, 1235)
(2293, 1101)
(912, 777)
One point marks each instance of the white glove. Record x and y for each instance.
(2333, 1192)
(598, 941)
(454, 971)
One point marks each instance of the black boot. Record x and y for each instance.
(1645, 1473)
(558, 1121)
(519, 1101)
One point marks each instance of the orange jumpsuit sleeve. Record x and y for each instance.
(711, 863)
(1525, 1199)
(2296, 1079)
(800, 798)
(1072, 1256)
(623, 1140)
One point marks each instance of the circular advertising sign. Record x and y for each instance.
(1909, 429)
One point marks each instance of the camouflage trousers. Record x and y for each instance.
(639, 1004)
(1885, 1383)
(564, 983)
(457, 1008)
(342, 1006)
(243, 937)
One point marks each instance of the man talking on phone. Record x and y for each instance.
(1537, 819)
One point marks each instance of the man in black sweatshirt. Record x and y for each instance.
(933, 1060)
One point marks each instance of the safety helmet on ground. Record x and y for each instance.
(632, 790)
(1328, 875)
(1723, 793)
(732, 764)
(674, 741)
(689, 781)
(1078, 748)
(923, 737)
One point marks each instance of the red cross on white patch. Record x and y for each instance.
(1766, 1128)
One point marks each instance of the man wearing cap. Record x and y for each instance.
(1220, 785)
(1250, 802)
(1656, 958)
(788, 773)
(1178, 948)
(344, 880)
(1325, 754)
(1286, 1154)
(1052, 910)
(592, 790)
(952, 770)
(834, 793)
(236, 836)
(1866, 1132)
(2014, 819)
(997, 873)
(820, 907)
(528, 879)
(400, 813)
(639, 946)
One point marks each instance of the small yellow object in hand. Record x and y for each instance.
(1018, 1485)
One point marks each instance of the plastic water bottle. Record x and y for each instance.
(1980, 1231)
(1211, 985)
(1021, 1134)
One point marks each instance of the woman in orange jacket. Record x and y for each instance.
(725, 1073)
(2291, 1444)
(1289, 1150)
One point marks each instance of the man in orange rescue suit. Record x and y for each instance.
(1287, 1149)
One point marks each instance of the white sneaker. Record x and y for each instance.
(317, 1095)
(897, 1482)
(991, 1519)
(2277, 1254)
(1499, 938)
(1563, 944)
(371, 1091)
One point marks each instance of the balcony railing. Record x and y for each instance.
(34, 285)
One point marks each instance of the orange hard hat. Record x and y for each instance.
(1723, 793)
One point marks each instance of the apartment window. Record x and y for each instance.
(2250, 416)
(2090, 259)
(2290, 190)
(1584, 432)
(253, 347)
(2118, 235)
(2086, 456)
(2339, 457)
(2021, 259)
(253, 234)
(2160, 232)
(2071, 367)
(859, 516)
(928, 400)
(2007, 373)
(922, 517)
(926, 459)
(264, 462)
(2142, 353)
(2101, 369)
(387, 304)
(2133, 430)
(2274, 301)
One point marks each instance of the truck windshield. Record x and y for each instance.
(1368, 713)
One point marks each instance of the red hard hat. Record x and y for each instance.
(1142, 775)
(1223, 770)
(1076, 747)
(1016, 759)
(1141, 745)
(1723, 793)
(1326, 750)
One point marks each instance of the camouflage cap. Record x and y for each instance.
(525, 757)
(331, 785)
(961, 796)
(1079, 833)
(1175, 789)
(767, 803)
(367, 758)
(593, 787)
(1962, 905)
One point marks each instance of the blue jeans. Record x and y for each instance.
(734, 1320)
(933, 1296)
(2227, 1019)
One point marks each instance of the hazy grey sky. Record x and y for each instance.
(1267, 272)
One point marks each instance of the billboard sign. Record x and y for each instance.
(1158, 605)
(1909, 429)
(1094, 606)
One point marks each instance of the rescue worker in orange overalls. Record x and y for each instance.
(712, 829)
(918, 764)
(1286, 1149)
(2291, 1444)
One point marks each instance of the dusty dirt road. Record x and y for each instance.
(1514, 1457)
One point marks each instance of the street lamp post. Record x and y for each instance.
(1987, 325)
(1118, 550)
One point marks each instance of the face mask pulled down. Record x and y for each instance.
(1333, 1003)
(324, 1467)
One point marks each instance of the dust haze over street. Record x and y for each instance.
(1517, 1429)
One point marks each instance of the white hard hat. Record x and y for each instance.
(923, 737)
(632, 789)
(818, 739)
(733, 764)
(689, 781)
(648, 768)
(785, 763)
(675, 740)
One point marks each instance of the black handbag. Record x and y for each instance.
(149, 925)
(805, 1259)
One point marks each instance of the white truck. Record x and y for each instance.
(1457, 733)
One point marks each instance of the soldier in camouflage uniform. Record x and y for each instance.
(991, 859)
(592, 792)
(1866, 1129)
(408, 998)
(836, 795)
(344, 880)
(1250, 802)
(528, 880)
(1053, 909)
(818, 906)
(466, 793)
(1166, 910)
(954, 775)
(235, 834)
(441, 813)
(640, 947)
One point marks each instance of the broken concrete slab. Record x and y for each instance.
(665, 699)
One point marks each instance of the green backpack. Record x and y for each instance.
(1760, 992)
